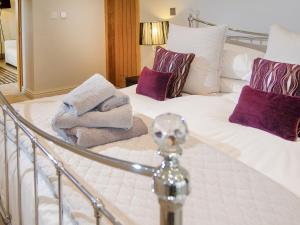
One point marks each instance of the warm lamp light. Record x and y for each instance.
(154, 33)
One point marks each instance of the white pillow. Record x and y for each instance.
(207, 44)
(283, 46)
(238, 61)
(229, 85)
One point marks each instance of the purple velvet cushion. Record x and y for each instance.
(153, 84)
(275, 113)
(276, 77)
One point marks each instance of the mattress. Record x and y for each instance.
(224, 191)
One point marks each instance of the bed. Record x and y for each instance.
(238, 175)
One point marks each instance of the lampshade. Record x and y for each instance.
(5, 4)
(154, 33)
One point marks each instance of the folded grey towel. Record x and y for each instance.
(90, 137)
(120, 117)
(115, 101)
(88, 95)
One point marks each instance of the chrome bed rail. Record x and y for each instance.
(171, 181)
(255, 40)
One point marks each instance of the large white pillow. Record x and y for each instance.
(238, 61)
(229, 85)
(283, 46)
(207, 44)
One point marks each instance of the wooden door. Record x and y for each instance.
(122, 40)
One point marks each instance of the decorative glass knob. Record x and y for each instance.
(169, 132)
(171, 182)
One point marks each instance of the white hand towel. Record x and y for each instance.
(89, 95)
(115, 101)
(120, 117)
(90, 137)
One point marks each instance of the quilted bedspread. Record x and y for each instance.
(224, 191)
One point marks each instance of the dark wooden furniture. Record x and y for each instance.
(131, 81)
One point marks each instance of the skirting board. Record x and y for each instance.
(41, 94)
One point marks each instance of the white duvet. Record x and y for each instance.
(207, 117)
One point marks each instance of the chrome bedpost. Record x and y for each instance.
(98, 206)
(8, 218)
(59, 167)
(171, 181)
(19, 176)
(35, 177)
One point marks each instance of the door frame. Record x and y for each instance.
(19, 45)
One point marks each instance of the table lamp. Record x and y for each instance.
(154, 33)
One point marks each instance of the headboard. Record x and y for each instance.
(244, 38)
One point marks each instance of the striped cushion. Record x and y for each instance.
(275, 77)
(176, 63)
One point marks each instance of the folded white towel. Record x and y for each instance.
(120, 117)
(90, 137)
(115, 101)
(89, 95)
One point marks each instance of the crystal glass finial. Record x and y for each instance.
(169, 131)
(171, 182)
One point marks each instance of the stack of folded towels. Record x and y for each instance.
(95, 113)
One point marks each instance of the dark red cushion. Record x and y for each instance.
(153, 84)
(275, 113)
(176, 63)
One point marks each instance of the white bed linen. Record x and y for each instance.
(207, 117)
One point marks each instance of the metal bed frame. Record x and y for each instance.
(254, 40)
(170, 180)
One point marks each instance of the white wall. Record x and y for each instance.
(9, 22)
(62, 53)
(254, 15)
(27, 39)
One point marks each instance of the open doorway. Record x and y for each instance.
(10, 47)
